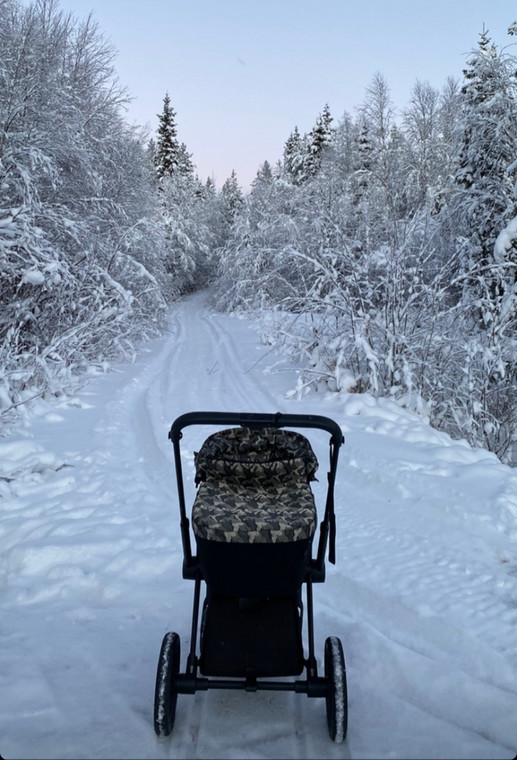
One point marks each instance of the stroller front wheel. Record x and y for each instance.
(337, 698)
(166, 695)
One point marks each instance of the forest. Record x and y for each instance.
(379, 253)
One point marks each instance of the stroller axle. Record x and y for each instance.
(316, 687)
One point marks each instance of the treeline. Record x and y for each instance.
(382, 251)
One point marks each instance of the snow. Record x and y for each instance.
(33, 276)
(505, 241)
(423, 595)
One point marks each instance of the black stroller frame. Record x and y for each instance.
(229, 621)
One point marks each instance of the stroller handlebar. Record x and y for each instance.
(257, 420)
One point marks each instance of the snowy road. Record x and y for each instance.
(423, 596)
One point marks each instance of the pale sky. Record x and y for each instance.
(241, 74)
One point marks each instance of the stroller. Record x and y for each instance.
(254, 519)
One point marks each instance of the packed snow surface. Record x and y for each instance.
(423, 595)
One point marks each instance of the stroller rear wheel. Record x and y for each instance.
(337, 698)
(166, 695)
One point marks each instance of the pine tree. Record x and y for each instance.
(295, 154)
(362, 154)
(167, 150)
(185, 165)
(480, 213)
(264, 175)
(232, 198)
(320, 138)
(484, 201)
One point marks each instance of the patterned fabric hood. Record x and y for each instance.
(245, 456)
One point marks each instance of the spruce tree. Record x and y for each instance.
(295, 153)
(320, 138)
(264, 175)
(232, 198)
(185, 165)
(167, 151)
(485, 201)
(481, 213)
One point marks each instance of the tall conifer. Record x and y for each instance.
(167, 152)
(319, 139)
(485, 199)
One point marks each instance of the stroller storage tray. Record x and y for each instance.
(254, 487)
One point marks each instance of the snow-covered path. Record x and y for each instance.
(423, 596)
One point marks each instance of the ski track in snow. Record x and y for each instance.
(423, 595)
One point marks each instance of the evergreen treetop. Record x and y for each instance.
(167, 152)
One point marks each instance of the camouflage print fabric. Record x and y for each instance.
(268, 455)
(254, 487)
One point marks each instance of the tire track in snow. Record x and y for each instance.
(190, 379)
(243, 382)
(207, 371)
(216, 377)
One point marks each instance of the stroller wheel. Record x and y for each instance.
(337, 698)
(165, 695)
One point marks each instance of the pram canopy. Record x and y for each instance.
(254, 487)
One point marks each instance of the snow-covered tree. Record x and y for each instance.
(359, 266)
(426, 157)
(485, 202)
(340, 152)
(295, 157)
(264, 176)
(193, 221)
(378, 112)
(480, 402)
(319, 139)
(166, 153)
(81, 277)
(232, 198)
(449, 117)
(190, 211)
